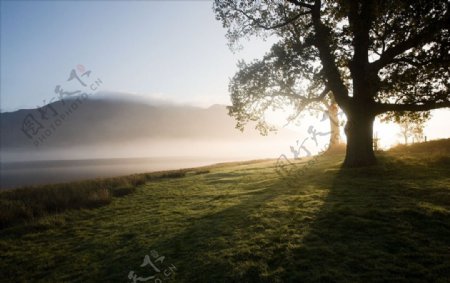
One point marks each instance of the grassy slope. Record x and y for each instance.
(243, 223)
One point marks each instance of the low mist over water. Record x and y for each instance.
(110, 137)
(33, 166)
(16, 174)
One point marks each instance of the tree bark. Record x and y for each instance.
(335, 137)
(359, 131)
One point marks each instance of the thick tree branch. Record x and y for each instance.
(360, 19)
(301, 4)
(381, 108)
(330, 69)
(257, 22)
(322, 95)
(426, 35)
(419, 64)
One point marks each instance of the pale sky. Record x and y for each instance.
(175, 50)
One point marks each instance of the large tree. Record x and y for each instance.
(374, 56)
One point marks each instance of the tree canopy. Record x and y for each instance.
(372, 56)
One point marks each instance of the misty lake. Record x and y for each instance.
(24, 173)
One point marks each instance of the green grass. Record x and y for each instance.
(27, 204)
(242, 222)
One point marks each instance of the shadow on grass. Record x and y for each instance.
(378, 225)
(386, 223)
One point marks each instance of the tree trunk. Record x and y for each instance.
(359, 131)
(335, 137)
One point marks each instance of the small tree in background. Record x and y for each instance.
(411, 124)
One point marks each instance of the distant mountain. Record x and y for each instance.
(102, 120)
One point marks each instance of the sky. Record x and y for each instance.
(170, 50)
(173, 50)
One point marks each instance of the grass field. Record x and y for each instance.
(242, 222)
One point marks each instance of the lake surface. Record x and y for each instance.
(17, 174)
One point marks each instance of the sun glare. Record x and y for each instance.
(386, 133)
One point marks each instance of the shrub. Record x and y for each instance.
(199, 172)
(122, 191)
(29, 203)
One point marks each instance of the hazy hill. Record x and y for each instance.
(104, 121)
(101, 120)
